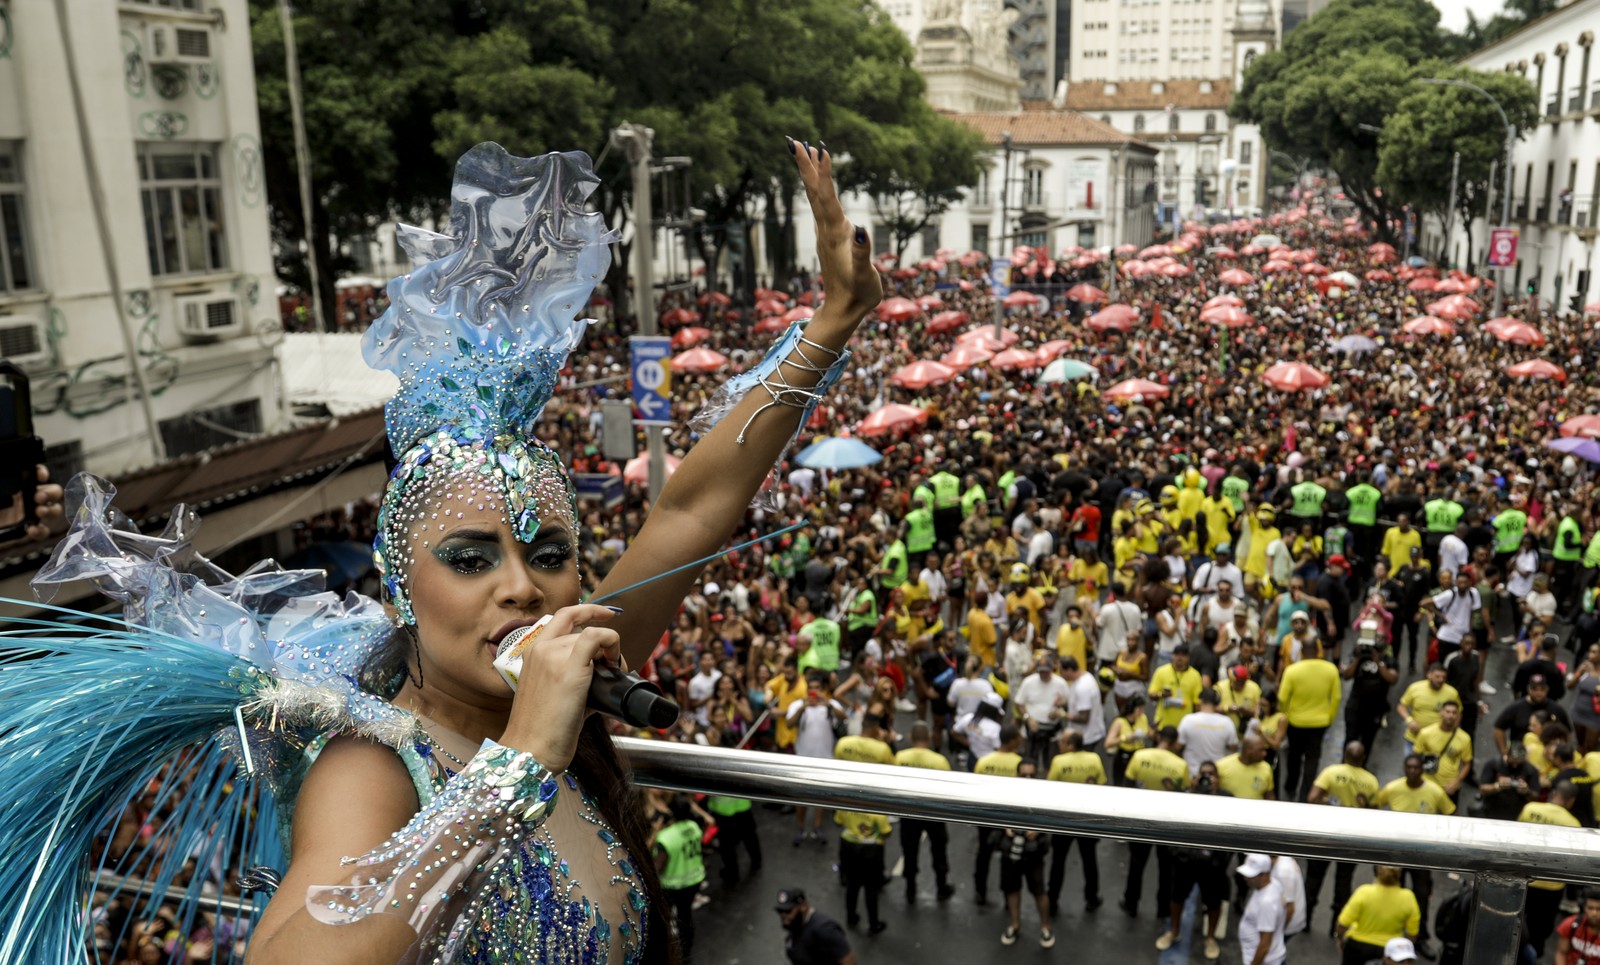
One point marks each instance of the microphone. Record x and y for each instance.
(616, 693)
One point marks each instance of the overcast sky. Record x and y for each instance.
(1454, 12)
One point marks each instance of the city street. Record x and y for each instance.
(742, 928)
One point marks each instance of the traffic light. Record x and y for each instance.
(1575, 303)
(1533, 285)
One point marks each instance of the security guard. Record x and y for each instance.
(682, 867)
(1363, 518)
(1439, 516)
(1568, 553)
(1305, 500)
(919, 529)
(947, 505)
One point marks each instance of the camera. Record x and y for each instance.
(1019, 846)
(1204, 784)
(1430, 763)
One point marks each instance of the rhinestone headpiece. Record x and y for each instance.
(477, 334)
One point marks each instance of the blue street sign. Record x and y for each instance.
(652, 378)
(1000, 279)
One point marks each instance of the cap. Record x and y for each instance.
(1538, 679)
(1400, 950)
(788, 898)
(1299, 616)
(1255, 864)
(711, 588)
(1223, 549)
(1266, 512)
(1338, 559)
(1240, 672)
(1019, 572)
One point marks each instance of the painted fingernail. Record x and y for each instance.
(823, 145)
(613, 609)
(808, 147)
(791, 144)
(861, 236)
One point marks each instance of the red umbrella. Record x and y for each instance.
(1312, 268)
(1454, 307)
(680, 316)
(1511, 330)
(1216, 301)
(1155, 251)
(920, 375)
(1226, 254)
(1016, 358)
(1086, 293)
(1422, 284)
(898, 309)
(1053, 349)
(1428, 325)
(797, 315)
(1125, 250)
(761, 293)
(930, 302)
(769, 325)
(1275, 265)
(687, 337)
(1227, 316)
(1537, 369)
(1582, 425)
(1450, 286)
(1378, 274)
(890, 417)
(1176, 270)
(965, 355)
(1135, 269)
(1250, 251)
(946, 322)
(707, 298)
(698, 360)
(1020, 299)
(1294, 376)
(983, 337)
(637, 470)
(1120, 318)
(904, 274)
(1593, 308)
(808, 297)
(1236, 277)
(1137, 389)
(771, 306)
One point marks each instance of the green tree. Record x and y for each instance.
(1516, 15)
(1345, 68)
(914, 171)
(1431, 123)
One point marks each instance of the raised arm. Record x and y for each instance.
(708, 494)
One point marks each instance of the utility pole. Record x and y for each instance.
(1511, 141)
(302, 158)
(1450, 212)
(1005, 229)
(636, 142)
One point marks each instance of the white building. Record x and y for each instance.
(963, 55)
(1555, 170)
(1131, 40)
(133, 225)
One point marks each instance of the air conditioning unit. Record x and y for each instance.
(208, 318)
(23, 341)
(167, 43)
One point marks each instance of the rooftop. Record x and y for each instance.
(1035, 127)
(1095, 95)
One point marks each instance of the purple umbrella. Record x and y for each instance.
(1585, 449)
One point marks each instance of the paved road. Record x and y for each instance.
(741, 927)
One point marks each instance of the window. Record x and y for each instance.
(181, 188)
(1172, 122)
(205, 429)
(882, 240)
(1138, 123)
(930, 240)
(980, 237)
(1245, 151)
(170, 5)
(1211, 123)
(15, 272)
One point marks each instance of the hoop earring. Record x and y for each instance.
(416, 650)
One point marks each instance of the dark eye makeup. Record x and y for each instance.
(470, 552)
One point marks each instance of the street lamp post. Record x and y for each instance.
(1511, 140)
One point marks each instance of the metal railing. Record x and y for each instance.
(1502, 855)
(1499, 853)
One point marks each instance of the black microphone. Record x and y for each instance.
(616, 693)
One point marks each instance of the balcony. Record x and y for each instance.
(1520, 210)
(1035, 201)
(980, 200)
(1578, 211)
(1541, 214)
(1552, 106)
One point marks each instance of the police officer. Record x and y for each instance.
(1363, 519)
(1568, 553)
(919, 532)
(946, 490)
(1440, 516)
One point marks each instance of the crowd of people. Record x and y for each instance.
(1181, 589)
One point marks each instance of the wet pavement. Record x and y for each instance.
(739, 926)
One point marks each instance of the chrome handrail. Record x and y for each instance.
(1498, 853)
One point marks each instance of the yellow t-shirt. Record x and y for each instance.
(922, 757)
(1348, 786)
(1429, 798)
(1536, 756)
(1309, 691)
(863, 827)
(1397, 546)
(1231, 696)
(867, 750)
(1538, 812)
(781, 695)
(1091, 581)
(1591, 763)
(1255, 562)
(1454, 749)
(1376, 913)
(1029, 600)
(1135, 731)
(1073, 642)
(1424, 702)
(980, 635)
(1122, 550)
(1078, 767)
(1157, 769)
(1003, 763)
(1252, 781)
(1185, 689)
(1274, 727)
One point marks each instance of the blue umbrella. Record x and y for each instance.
(1354, 344)
(1586, 449)
(838, 453)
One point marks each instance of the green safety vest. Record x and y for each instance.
(1568, 527)
(1363, 505)
(726, 807)
(824, 652)
(1442, 515)
(895, 558)
(685, 866)
(946, 491)
(1308, 497)
(1591, 554)
(919, 530)
(1508, 529)
(1234, 488)
(972, 499)
(1006, 481)
(867, 617)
